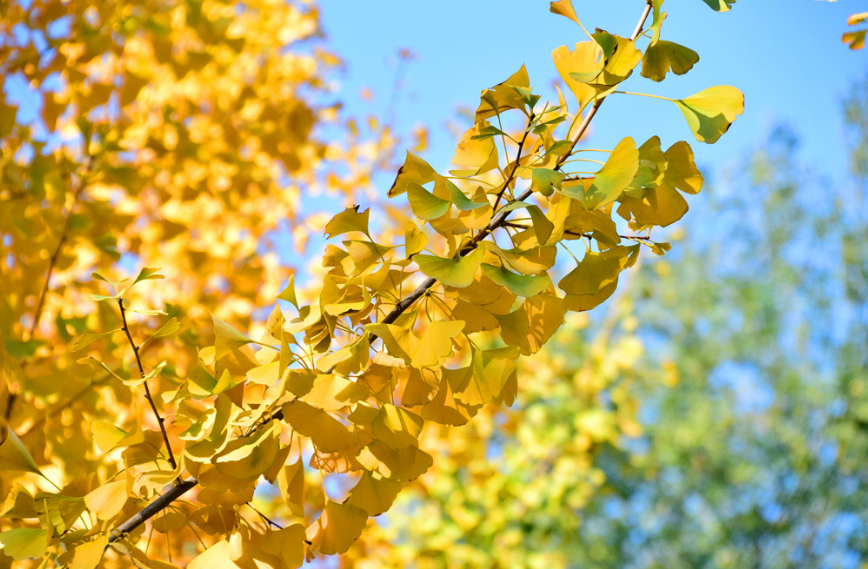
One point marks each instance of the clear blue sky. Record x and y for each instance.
(785, 55)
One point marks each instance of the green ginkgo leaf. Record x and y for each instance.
(424, 204)
(546, 181)
(720, 5)
(23, 543)
(664, 56)
(461, 201)
(458, 273)
(710, 113)
(615, 175)
(519, 285)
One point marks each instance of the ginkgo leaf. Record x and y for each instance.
(86, 339)
(373, 495)
(664, 56)
(564, 8)
(249, 457)
(597, 270)
(490, 371)
(519, 285)
(14, 456)
(462, 202)
(337, 528)
(711, 112)
(858, 18)
(170, 327)
(457, 273)
(107, 500)
(436, 344)
(503, 96)
(414, 241)
(720, 5)
(89, 554)
(226, 338)
(326, 432)
(215, 557)
(546, 181)
(288, 293)
(585, 59)
(681, 171)
(147, 274)
(416, 171)
(660, 206)
(473, 154)
(351, 219)
(396, 426)
(290, 482)
(607, 42)
(855, 40)
(332, 392)
(23, 543)
(612, 179)
(403, 464)
(424, 204)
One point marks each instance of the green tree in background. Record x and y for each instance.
(748, 352)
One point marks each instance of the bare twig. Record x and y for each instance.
(126, 329)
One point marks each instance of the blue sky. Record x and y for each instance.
(785, 55)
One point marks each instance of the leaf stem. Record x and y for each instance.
(148, 395)
(644, 95)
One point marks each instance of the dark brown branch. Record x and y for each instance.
(150, 399)
(152, 509)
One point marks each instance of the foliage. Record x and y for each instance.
(751, 444)
(180, 136)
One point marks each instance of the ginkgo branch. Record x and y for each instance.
(150, 399)
(152, 509)
(515, 166)
(179, 489)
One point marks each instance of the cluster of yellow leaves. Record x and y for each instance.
(198, 115)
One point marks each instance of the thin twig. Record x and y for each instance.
(515, 166)
(265, 518)
(126, 329)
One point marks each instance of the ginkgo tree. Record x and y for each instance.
(187, 111)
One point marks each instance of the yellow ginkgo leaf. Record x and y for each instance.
(326, 432)
(14, 456)
(415, 170)
(596, 270)
(249, 457)
(88, 555)
(351, 219)
(373, 494)
(612, 179)
(107, 500)
(564, 8)
(475, 156)
(290, 482)
(436, 344)
(332, 392)
(503, 96)
(584, 62)
(337, 528)
(396, 426)
(711, 112)
(402, 464)
(215, 557)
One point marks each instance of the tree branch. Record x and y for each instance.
(176, 491)
(126, 329)
(152, 509)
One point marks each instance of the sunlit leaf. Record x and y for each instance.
(711, 112)
(458, 272)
